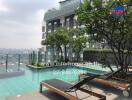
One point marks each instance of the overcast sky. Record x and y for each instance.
(21, 22)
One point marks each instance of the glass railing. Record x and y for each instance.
(12, 62)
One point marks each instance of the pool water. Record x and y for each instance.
(30, 81)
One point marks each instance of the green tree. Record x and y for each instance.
(50, 40)
(34, 58)
(62, 39)
(39, 58)
(115, 30)
(58, 39)
(78, 42)
(30, 58)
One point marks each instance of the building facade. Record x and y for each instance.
(63, 16)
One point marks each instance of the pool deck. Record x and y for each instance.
(110, 93)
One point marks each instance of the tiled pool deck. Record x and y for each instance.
(111, 94)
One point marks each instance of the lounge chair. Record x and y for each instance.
(110, 80)
(64, 88)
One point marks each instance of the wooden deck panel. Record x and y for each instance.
(110, 82)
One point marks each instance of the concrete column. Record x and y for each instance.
(70, 53)
(52, 26)
(81, 56)
(62, 21)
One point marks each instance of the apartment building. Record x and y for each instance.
(60, 17)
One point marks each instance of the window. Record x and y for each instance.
(55, 23)
(49, 30)
(49, 24)
(43, 28)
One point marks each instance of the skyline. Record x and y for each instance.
(21, 22)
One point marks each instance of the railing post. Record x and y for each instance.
(41, 88)
(29, 59)
(19, 62)
(45, 57)
(6, 62)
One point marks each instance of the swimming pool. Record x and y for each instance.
(30, 81)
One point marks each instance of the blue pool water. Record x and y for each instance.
(30, 81)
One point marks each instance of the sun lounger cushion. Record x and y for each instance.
(61, 85)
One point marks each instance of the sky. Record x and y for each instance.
(21, 22)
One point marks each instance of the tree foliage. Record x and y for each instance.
(115, 30)
(33, 58)
(57, 39)
(63, 37)
(39, 58)
(78, 42)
